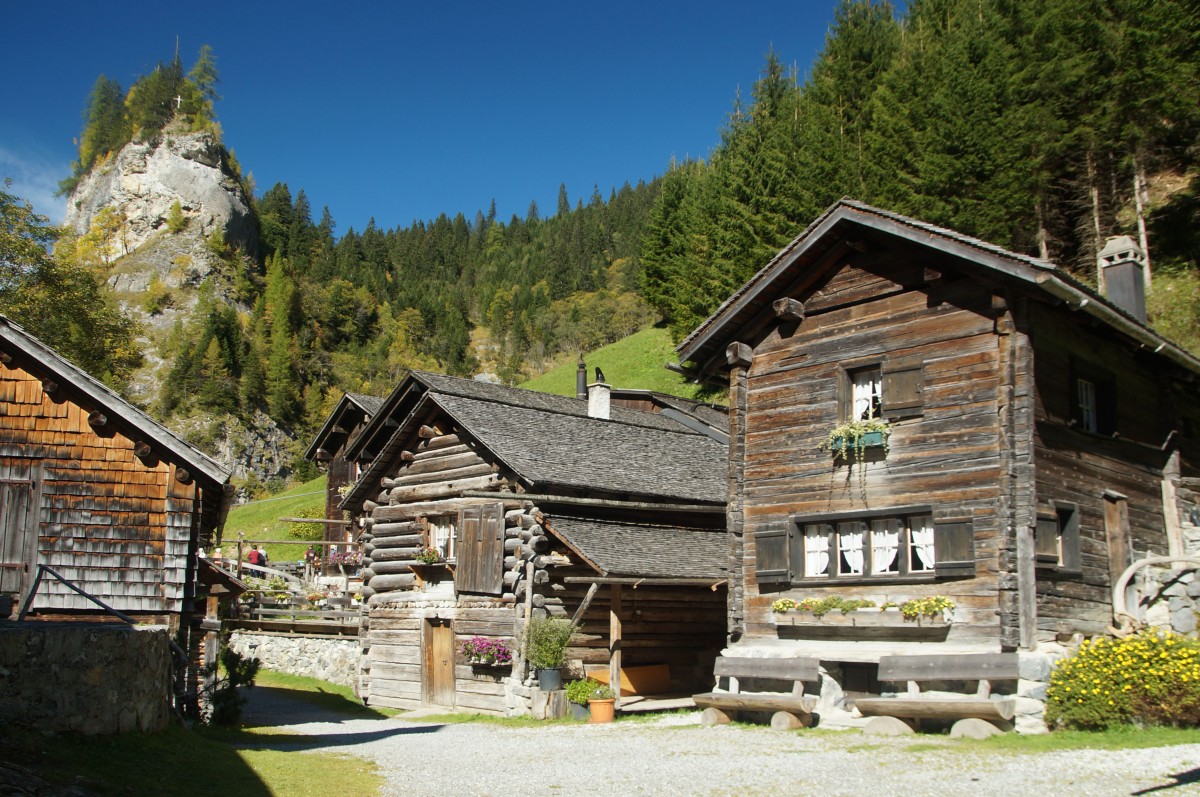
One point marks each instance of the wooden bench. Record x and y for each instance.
(790, 710)
(915, 706)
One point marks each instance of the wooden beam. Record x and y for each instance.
(428, 432)
(97, 419)
(587, 601)
(49, 387)
(407, 456)
(789, 309)
(183, 476)
(614, 643)
(739, 355)
(322, 455)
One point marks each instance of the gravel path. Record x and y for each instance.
(673, 755)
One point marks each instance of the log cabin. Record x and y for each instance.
(108, 499)
(534, 504)
(1031, 436)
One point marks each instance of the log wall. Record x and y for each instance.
(118, 526)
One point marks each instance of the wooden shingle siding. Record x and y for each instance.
(104, 517)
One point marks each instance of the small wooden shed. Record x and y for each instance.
(533, 506)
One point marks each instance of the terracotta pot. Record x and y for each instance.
(601, 710)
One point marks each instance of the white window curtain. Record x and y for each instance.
(921, 531)
(885, 544)
(816, 551)
(866, 393)
(441, 533)
(850, 545)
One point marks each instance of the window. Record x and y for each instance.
(890, 544)
(1093, 398)
(441, 532)
(890, 390)
(1057, 538)
(866, 394)
(875, 547)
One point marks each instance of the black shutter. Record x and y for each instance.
(903, 388)
(954, 549)
(771, 552)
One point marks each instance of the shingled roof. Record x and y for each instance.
(849, 221)
(645, 550)
(549, 442)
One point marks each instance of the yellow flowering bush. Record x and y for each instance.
(1150, 678)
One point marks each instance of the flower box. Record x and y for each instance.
(869, 440)
(864, 625)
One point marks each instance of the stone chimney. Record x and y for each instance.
(1123, 275)
(581, 386)
(599, 395)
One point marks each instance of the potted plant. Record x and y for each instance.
(483, 651)
(544, 645)
(428, 556)
(579, 692)
(602, 704)
(849, 441)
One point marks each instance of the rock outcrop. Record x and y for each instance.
(145, 179)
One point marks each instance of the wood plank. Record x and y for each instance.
(755, 702)
(964, 667)
(789, 669)
(937, 708)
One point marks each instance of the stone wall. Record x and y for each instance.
(333, 659)
(91, 679)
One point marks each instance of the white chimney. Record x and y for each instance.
(599, 395)
(1121, 266)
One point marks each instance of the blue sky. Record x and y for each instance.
(402, 111)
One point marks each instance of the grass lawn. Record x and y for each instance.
(333, 697)
(259, 520)
(635, 362)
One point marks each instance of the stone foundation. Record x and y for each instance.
(91, 679)
(333, 659)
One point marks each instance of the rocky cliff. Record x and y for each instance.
(152, 257)
(145, 179)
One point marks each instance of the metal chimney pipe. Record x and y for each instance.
(581, 389)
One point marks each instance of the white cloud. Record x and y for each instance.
(35, 179)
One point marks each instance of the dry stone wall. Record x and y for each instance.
(325, 658)
(90, 679)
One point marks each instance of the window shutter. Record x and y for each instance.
(771, 552)
(1046, 540)
(954, 549)
(903, 388)
(1068, 524)
(480, 549)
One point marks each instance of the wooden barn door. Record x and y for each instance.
(439, 663)
(18, 532)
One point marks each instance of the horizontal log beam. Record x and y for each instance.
(428, 492)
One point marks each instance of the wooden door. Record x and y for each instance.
(439, 663)
(1120, 553)
(18, 534)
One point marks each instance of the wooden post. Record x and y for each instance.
(583, 607)
(528, 592)
(614, 644)
(241, 540)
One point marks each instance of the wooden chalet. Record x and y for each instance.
(534, 506)
(352, 413)
(1037, 434)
